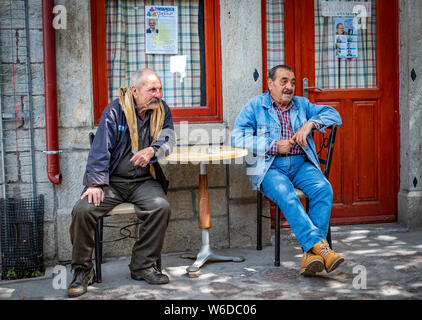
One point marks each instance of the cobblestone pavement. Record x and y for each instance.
(378, 265)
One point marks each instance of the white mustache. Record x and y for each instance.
(153, 100)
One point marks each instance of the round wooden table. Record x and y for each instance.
(204, 155)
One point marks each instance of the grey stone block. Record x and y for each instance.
(182, 235)
(240, 22)
(218, 202)
(240, 187)
(182, 175)
(409, 206)
(8, 45)
(243, 231)
(187, 175)
(64, 245)
(11, 14)
(75, 138)
(181, 203)
(41, 167)
(15, 79)
(216, 175)
(185, 235)
(36, 46)
(49, 243)
(46, 189)
(72, 167)
(38, 111)
(74, 89)
(35, 14)
(37, 72)
(40, 139)
(18, 14)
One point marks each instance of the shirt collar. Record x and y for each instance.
(276, 105)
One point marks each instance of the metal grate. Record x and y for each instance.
(21, 233)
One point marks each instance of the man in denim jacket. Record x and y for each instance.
(275, 127)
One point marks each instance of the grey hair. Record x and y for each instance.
(136, 78)
(273, 71)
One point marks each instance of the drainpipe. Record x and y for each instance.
(50, 86)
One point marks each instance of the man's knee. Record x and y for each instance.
(160, 205)
(81, 209)
(164, 205)
(325, 189)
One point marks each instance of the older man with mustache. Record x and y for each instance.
(276, 128)
(134, 131)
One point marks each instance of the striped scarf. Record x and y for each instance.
(156, 121)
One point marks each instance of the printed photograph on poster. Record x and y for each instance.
(161, 30)
(346, 38)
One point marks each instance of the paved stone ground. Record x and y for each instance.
(390, 258)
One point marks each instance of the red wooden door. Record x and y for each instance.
(365, 169)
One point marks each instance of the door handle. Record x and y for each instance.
(306, 88)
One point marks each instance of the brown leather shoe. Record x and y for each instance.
(311, 264)
(331, 259)
(81, 280)
(151, 275)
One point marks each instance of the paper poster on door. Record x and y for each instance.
(346, 38)
(161, 30)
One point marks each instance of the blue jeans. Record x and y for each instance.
(287, 173)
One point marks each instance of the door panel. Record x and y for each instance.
(366, 142)
(364, 90)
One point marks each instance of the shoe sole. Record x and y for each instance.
(80, 293)
(312, 268)
(335, 264)
(143, 279)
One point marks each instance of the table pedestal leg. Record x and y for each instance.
(205, 253)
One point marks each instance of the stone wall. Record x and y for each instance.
(13, 53)
(410, 63)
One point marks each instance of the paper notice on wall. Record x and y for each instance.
(346, 38)
(345, 9)
(161, 29)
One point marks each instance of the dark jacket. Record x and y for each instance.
(109, 143)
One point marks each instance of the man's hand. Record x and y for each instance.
(302, 133)
(284, 146)
(142, 157)
(95, 194)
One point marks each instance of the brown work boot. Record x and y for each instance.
(81, 280)
(151, 275)
(311, 264)
(331, 259)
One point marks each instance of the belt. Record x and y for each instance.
(283, 155)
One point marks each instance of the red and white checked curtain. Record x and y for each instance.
(126, 50)
(275, 33)
(332, 72)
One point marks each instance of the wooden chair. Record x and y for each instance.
(327, 143)
(121, 209)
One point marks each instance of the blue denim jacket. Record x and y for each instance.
(257, 127)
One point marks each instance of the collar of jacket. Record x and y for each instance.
(266, 103)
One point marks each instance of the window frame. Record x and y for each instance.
(210, 113)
